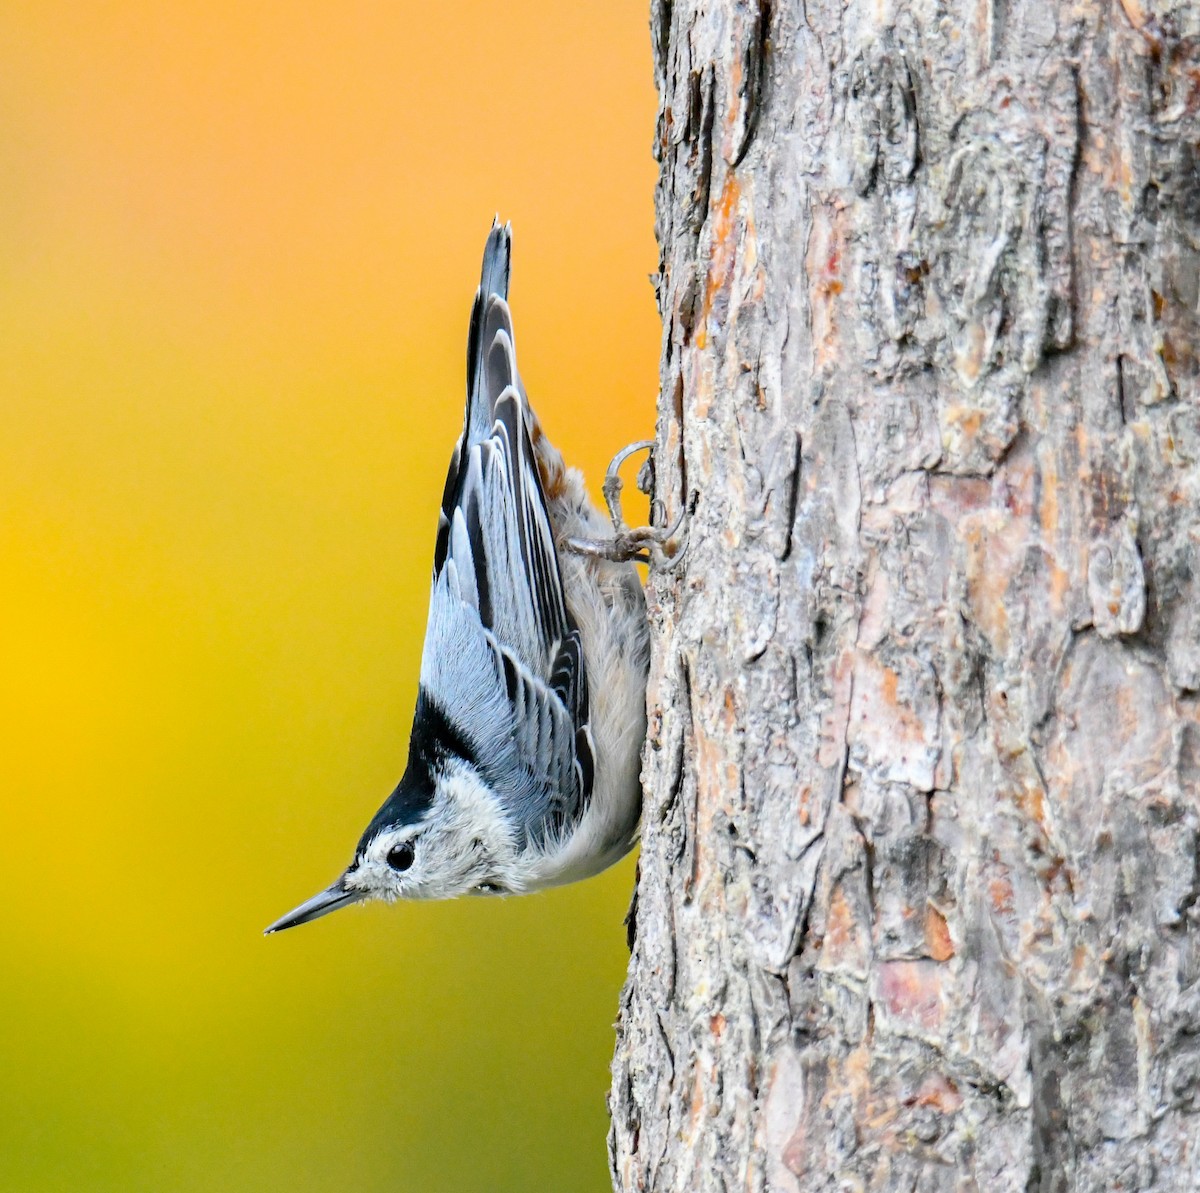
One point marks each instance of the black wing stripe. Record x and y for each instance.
(479, 553)
(543, 565)
(568, 681)
(449, 499)
(512, 681)
(473, 353)
(440, 546)
(509, 439)
(584, 760)
(568, 663)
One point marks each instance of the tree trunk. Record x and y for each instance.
(919, 904)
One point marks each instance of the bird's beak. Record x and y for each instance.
(328, 900)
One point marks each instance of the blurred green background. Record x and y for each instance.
(238, 244)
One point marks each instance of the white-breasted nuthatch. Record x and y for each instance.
(523, 764)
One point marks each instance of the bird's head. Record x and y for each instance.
(441, 833)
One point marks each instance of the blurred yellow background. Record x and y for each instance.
(238, 245)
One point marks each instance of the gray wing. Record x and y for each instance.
(502, 655)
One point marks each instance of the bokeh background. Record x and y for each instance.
(238, 244)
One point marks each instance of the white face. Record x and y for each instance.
(465, 844)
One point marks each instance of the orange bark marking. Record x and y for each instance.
(846, 943)
(969, 356)
(968, 419)
(1079, 959)
(839, 926)
(1049, 511)
(1000, 892)
(880, 718)
(696, 1110)
(724, 254)
(890, 681)
(937, 935)
(1060, 584)
(858, 1070)
(1030, 800)
(939, 1092)
(804, 804)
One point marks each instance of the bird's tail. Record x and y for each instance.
(491, 357)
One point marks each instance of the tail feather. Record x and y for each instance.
(497, 260)
(490, 366)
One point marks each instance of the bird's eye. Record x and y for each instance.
(401, 856)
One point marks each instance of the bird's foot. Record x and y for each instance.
(641, 544)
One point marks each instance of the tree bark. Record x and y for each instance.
(919, 904)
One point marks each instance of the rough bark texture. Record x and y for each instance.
(918, 905)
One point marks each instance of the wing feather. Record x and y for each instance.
(497, 589)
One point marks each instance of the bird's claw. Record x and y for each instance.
(642, 544)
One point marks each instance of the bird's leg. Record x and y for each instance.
(637, 543)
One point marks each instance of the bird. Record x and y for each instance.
(524, 759)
